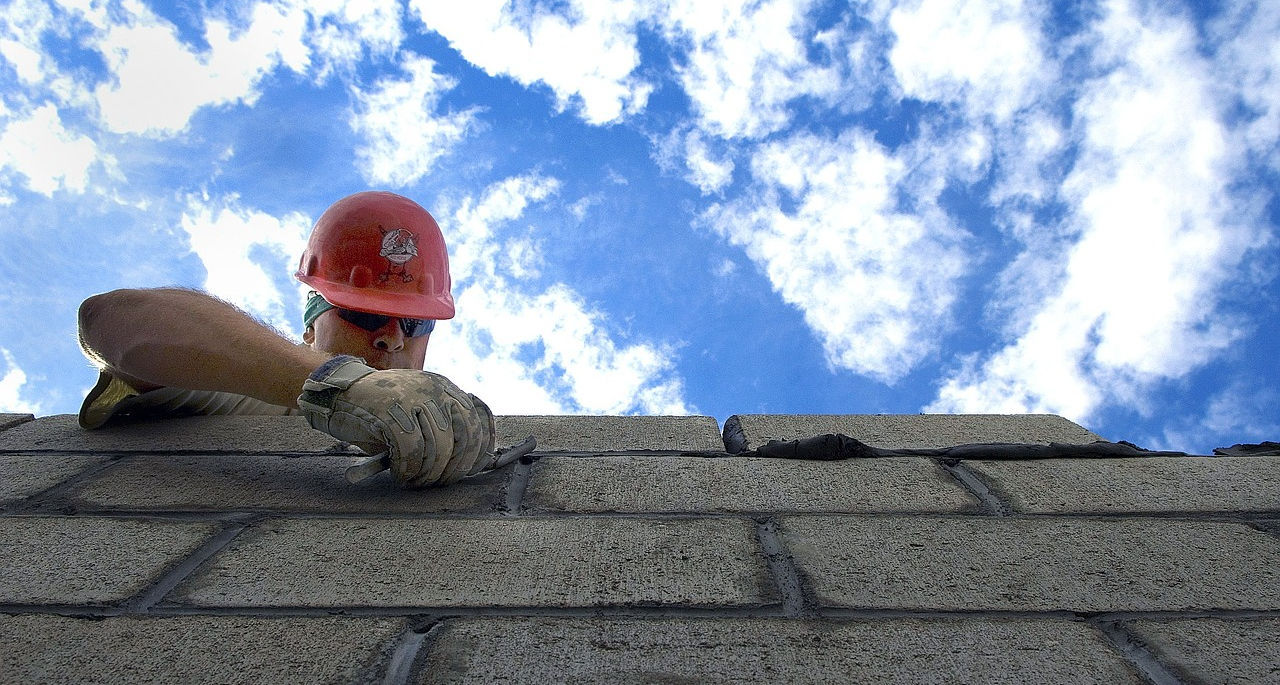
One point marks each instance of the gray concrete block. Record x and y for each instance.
(692, 484)
(272, 483)
(84, 560)
(1213, 650)
(1150, 484)
(24, 475)
(612, 433)
(194, 649)
(252, 434)
(486, 562)
(1034, 564)
(750, 431)
(10, 420)
(268, 434)
(938, 650)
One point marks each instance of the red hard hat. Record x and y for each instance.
(382, 253)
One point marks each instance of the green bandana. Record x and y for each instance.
(316, 305)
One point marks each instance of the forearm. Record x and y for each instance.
(188, 339)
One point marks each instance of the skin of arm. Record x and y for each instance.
(188, 339)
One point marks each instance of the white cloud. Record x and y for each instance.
(725, 267)
(523, 258)
(50, 157)
(875, 282)
(991, 65)
(526, 350)
(1149, 242)
(249, 256)
(1244, 411)
(21, 24)
(25, 60)
(748, 67)
(473, 243)
(747, 60)
(707, 164)
(11, 388)
(1030, 153)
(586, 55)
(984, 54)
(1039, 373)
(342, 32)
(158, 82)
(583, 205)
(24, 24)
(548, 352)
(1247, 70)
(403, 136)
(711, 173)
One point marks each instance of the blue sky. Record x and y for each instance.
(687, 206)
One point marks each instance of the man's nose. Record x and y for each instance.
(390, 338)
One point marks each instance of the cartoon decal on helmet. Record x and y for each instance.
(398, 247)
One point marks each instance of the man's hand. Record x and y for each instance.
(433, 432)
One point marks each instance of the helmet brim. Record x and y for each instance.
(407, 305)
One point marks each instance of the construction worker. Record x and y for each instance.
(379, 271)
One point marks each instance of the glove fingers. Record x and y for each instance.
(437, 442)
(466, 445)
(488, 431)
(408, 449)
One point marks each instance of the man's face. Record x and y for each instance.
(385, 348)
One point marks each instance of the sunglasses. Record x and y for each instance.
(412, 328)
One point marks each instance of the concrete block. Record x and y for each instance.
(1214, 650)
(272, 483)
(692, 484)
(24, 475)
(612, 433)
(251, 434)
(268, 434)
(906, 650)
(83, 560)
(749, 431)
(1149, 484)
(194, 649)
(521, 562)
(1034, 564)
(10, 420)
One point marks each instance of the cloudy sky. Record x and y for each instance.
(687, 206)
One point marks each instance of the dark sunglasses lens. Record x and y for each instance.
(413, 328)
(416, 328)
(365, 320)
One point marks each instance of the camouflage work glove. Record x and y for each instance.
(433, 432)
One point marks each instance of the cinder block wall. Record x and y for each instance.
(630, 549)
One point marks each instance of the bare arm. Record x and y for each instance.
(189, 339)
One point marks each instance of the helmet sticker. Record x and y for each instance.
(398, 247)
